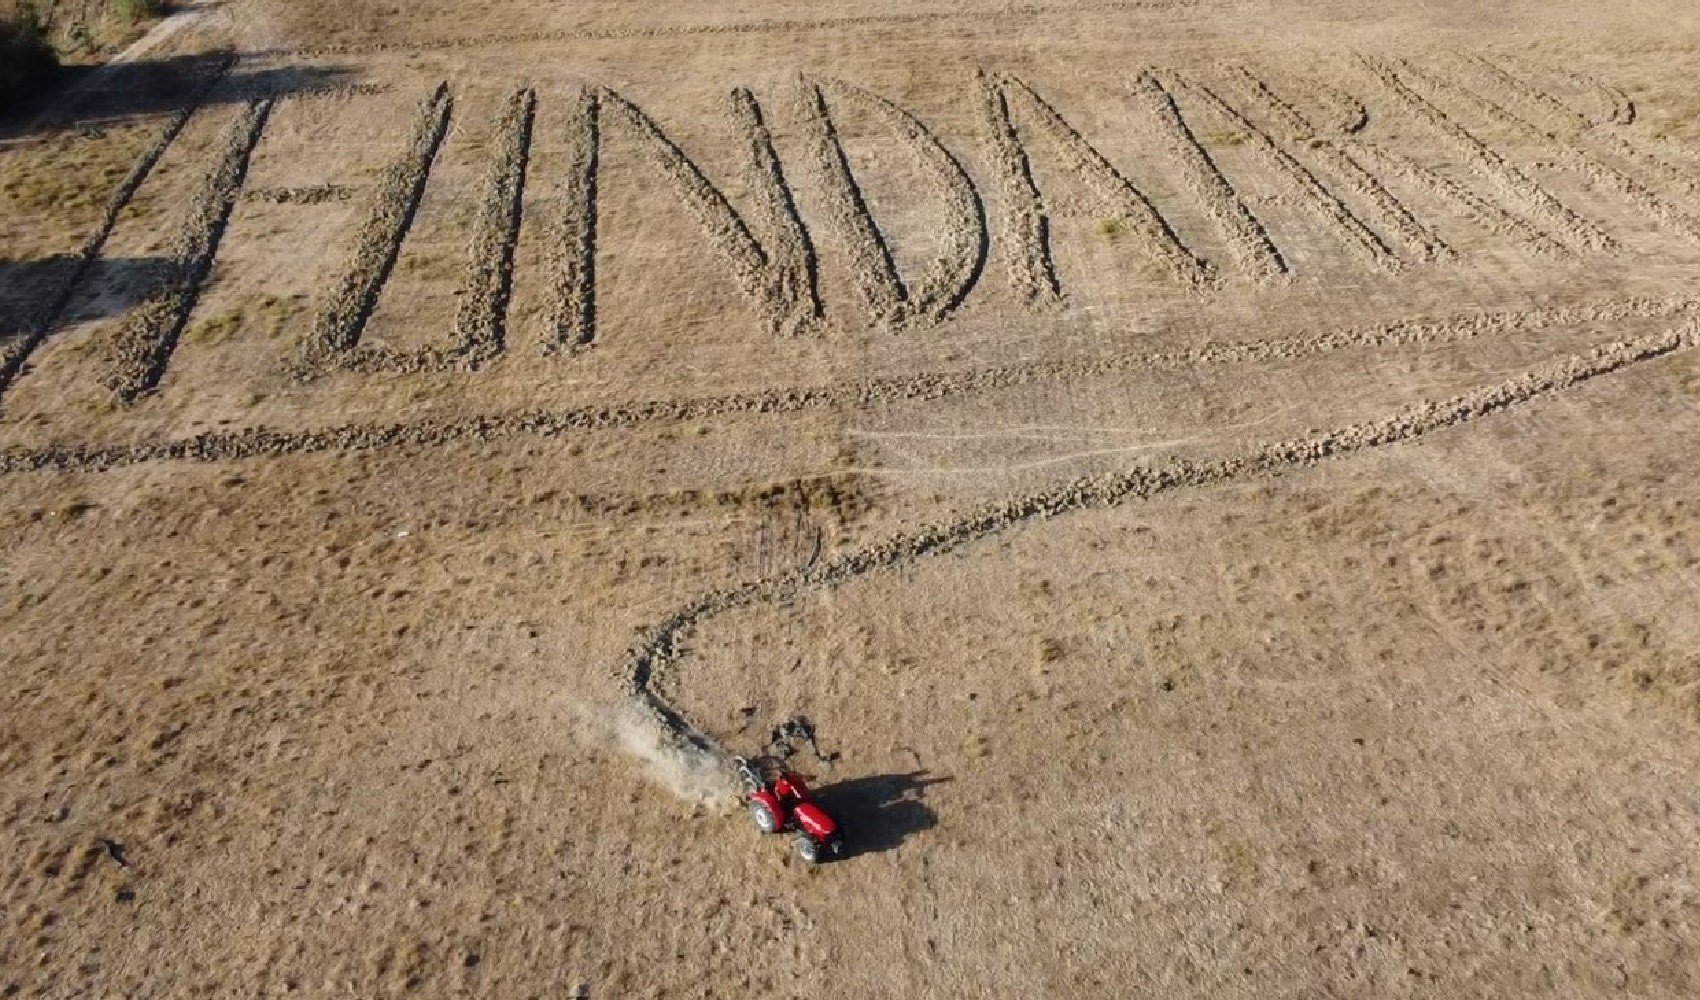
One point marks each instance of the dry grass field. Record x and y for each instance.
(1221, 476)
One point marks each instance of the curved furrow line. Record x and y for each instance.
(663, 646)
(15, 354)
(958, 266)
(1621, 106)
(265, 442)
(1487, 215)
(145, 341)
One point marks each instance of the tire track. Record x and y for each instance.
(377, 245)
(1392, 215)
(1573, 230)
(781, 288)
(1249, 241)
(1364, 242)
(480, 330)
(663, 646)
(1027, 226)
(572, 254)
(1151, 230)
(265, 442)
(144, 343)
(14, 355)
(1568, 154)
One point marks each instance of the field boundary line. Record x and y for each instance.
(266, 442)
(762, 26)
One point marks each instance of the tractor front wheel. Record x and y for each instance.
(808, 849)
(764, 818)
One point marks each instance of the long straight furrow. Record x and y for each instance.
(779, 288)
(571, 255)
(871, 264)
(1487, 215)
(1155, 236)
(790, 250)
(1606, 130)
(377, 245)
(1567, 153)
(662, 647)
(1358, 237)
(481, 318)
(1684, 179)
(1393, 217)
(947, 281)
(1246, 236)
(149, 334)
(261, 442)
(40, 325)
(480, 329)
(1571, 229)
(1027, 227)
(1530, 94)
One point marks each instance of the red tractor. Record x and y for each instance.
(778, 800)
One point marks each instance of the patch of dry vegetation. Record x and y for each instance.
(68, 180)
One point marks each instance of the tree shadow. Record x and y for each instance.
(84, 97)
(880, 811)
(29, 289)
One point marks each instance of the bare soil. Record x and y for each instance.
(1220, 475)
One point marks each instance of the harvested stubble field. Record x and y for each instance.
(1220, 475)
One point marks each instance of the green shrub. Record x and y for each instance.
(27, 61)
(136, 11)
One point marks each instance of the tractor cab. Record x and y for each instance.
(779, 799)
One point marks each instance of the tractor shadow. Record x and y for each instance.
(880, 811)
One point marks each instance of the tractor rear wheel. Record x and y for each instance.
(764, 818)
(808, 849)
